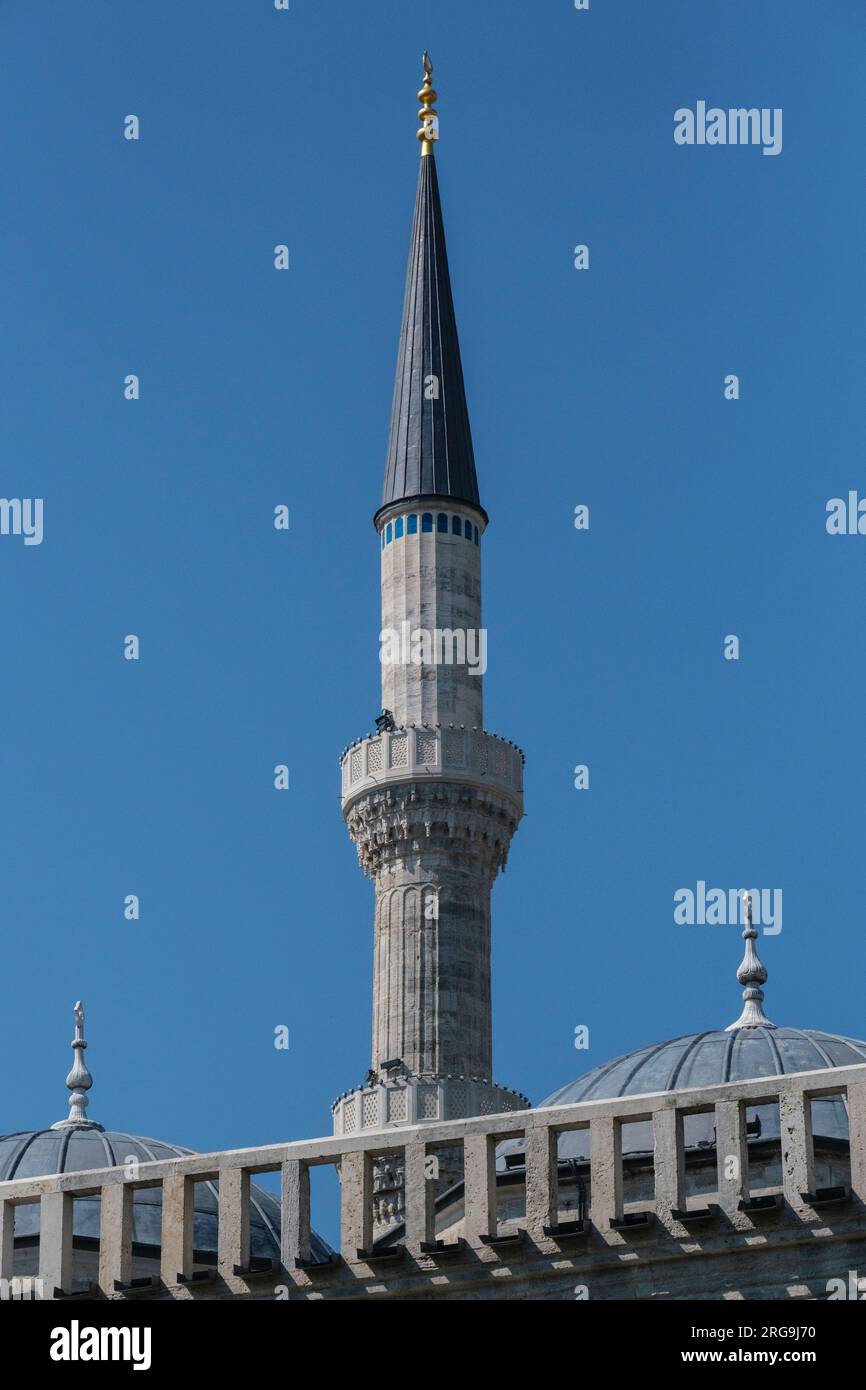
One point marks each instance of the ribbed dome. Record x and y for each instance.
(749, 1049)
(711, 1059)
(78, 1145)
(36, 1153)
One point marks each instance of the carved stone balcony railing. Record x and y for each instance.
(784, 1246)
(414, 1100)
(424, 752)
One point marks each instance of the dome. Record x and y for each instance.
(77, 1145)
(747, 1050)
(711, 1059)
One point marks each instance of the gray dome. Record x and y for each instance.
(711, 1059)
(708, 1059)
(36, 1153)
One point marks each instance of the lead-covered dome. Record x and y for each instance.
(747, 1050)
(38, 1153)
(711, 1059)
(77, 1145)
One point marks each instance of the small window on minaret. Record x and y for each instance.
(467, 530)
(412, 526)
(455, 526)
(398, 529)
(442, 522)
(475, 529)
(427, 521)
(388, 534)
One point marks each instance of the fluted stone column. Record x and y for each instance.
(431, 977)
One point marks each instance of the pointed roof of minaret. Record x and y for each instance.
(430, 445)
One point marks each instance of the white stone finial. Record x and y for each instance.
(751, 974)
(79, 1080)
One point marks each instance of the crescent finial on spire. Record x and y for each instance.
(751, 974)
(428, 131)
(79, 1080)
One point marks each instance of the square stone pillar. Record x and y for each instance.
(356, 1204)
(420, 1193)
(295, 1243)
(115, 1236)
(177, 1228)
(857, 1138)
(234, 1221)
(798, 1163)
(669, 1161)
(7, 1239)
(606, 1171)
(542, 1185)
(732, 1155)
(55, 1242)
(479, 1159)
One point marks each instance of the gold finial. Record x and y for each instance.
(428, 116)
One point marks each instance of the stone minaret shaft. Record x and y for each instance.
(431, 800)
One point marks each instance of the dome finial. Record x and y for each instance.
(428, 116)
(751, 974)
(79, 1080)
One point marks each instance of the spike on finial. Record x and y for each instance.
(751, 974)
(79, 1080)
(428, 131)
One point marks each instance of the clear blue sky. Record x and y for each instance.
(601, 387)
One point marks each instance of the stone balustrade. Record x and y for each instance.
(414, 1100)
(424, 752)
(536, 1257)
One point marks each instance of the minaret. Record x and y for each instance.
(430, 799)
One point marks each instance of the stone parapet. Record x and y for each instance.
(416, 1099)
(430, 752)
(714, 1244)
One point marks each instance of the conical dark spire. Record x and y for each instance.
(430, 445)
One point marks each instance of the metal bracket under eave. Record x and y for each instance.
(633, 1221)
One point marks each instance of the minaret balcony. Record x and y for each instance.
(430, 752)
(411, 1100)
